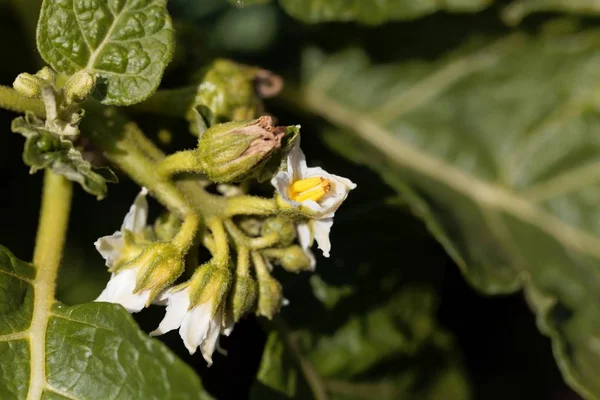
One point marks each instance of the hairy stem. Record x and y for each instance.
(52, 231)
(182, 161)
(13, 101)
(250, 205)
(170, 102)
(221, 256)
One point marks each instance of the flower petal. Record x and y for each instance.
(119, 290)
(296, 162)
(282, 182)
(195, 325)
(305, 236)
(136, 218)
(321, 229)
(209, 344)
(110, 247)
(177, 306)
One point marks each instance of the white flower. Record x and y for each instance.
(198, 327)
(320, 192)
(120, 287)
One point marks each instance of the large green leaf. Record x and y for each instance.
(91, 351)
(127, 43)
(387, 352)
(496, 148)
(519, 9)
(381, 11)
(374, 11)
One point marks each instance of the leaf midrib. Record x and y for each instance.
(483, 193)
(43, 292)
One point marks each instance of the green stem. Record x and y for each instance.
(50, 240)
(169, 102)
(241, 239)
(243, 261)
(13, 101)
(260, 266)
(221, 256)
(115, 137)
(146, 145)
(52, 229)
(250, 205)
(185, 237)
(182, 161)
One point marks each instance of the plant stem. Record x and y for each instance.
(221, 256)
(182, 161)
(185, 237)
(250, 205)
(52, 229)
(13, 101)
(170, 102)
(243, 261)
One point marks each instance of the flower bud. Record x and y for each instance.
(283, 227)
(232, 151)
(270, 292)
(47, 74)
(79, 86)
(295, 259)
(27, 85)
(209, 283)
(243, 296)
(270, 296)
(166, 226)
(159, 265)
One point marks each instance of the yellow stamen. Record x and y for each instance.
(305, 184)
(309, 189)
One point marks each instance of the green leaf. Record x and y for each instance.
(90, 351)
(374, 11)
(329, 295)
(243, 3)
(43, 149)
(277, 376)
(519, 9)
(126, 43)
(493, 146)
(386, 352)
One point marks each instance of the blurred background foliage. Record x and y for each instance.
(389, 315)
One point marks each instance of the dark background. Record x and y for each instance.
(505, 355)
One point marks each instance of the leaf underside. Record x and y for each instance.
(496, 148)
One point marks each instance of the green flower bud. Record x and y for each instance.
(232, 151)
(79, 86)
(159, 265)
(283, 227)
(243, 296)
(270, 292)
(270, 296)
(209, 283)
(292, 259)
(27, 85)
(166, 226)
(47, 74)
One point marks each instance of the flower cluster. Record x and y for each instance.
(145, 264)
